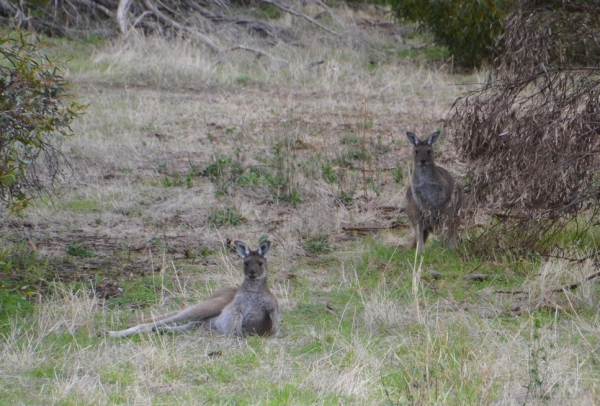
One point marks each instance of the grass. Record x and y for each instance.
(181, 151)
(352, 337)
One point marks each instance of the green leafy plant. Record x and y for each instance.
(162, 167)
(223, 172)
(536, 386)
(283, 183)
(176, 181)
(328, 173)
(468, 28)
(77, 250)
(5, 260)
(398, 174)
(254, 176)
(221, 216)
(318, 245)
(35, 115)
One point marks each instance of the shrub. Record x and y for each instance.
(468, 28)
(530, 133)
(34, 116)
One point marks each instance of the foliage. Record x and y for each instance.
(77, 250)
(222, 216)
(468, 28)
(531, 133)
(34, 116)
(223, 173)
(283, 182)
(318, 245)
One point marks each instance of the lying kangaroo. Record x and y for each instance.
(250, 308)
(433, 198)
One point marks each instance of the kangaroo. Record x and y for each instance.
(432, 199)
(250, 308)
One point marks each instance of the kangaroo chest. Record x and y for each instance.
(253, 310)
(428, 191)
(253, 307)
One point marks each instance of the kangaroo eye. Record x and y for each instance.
(260, 263)
(428, 152)
(416, 152)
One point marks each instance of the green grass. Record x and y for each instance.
(428, 52)
(84, 205)
(334, 333)
(222, 216)
(76, 250)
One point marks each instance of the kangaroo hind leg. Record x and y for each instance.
(195, 314)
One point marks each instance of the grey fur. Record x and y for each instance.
(250, 308)
(433, 198)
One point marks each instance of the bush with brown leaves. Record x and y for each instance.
(531, 133)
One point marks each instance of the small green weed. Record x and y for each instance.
(359, 155)
(14, 300)
(283, 183)
(5, 260)
(318, 245)
(346, 198)
(350, 139)
(161, 167)
(84, 205)
(223, 173)
(228, 215)
(175, 181)
(242, 79)
(328, 173)
(254, 176)
(537, 387)
(398, 175)
(76, 250)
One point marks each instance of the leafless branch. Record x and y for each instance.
(122, 11)
(572, 286)
(301, 15)
(531, 133)
(193, 33)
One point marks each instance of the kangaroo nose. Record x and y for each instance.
(423, 162)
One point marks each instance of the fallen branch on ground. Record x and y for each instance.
(572, 286)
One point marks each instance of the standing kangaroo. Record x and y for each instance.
(250, 308)
(433, 199)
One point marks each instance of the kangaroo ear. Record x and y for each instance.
(263, 248)
(414, 141)
(242, 249)
(433, 138)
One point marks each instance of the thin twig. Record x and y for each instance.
(331, 13)
(578, 260)
(194, 33)
(572, 286)
(299, 14)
